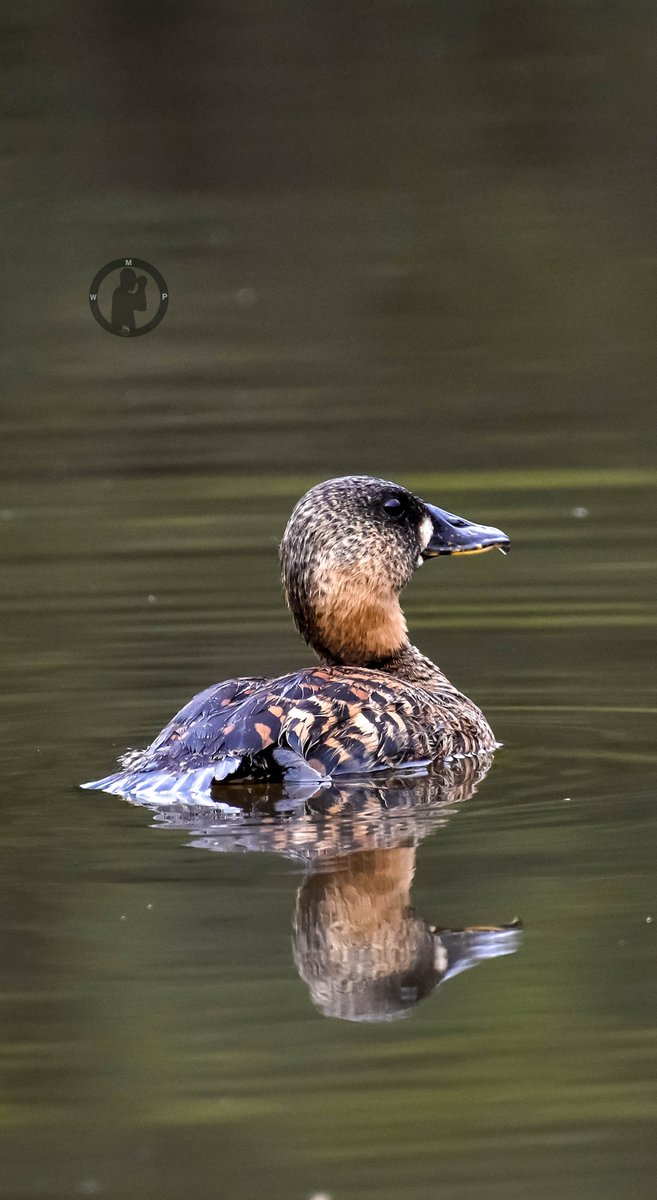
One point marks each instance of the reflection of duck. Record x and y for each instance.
(316, 825)
(357, 943)
(376, 703)
(361, 949)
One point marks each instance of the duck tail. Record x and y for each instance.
(162, 787)
(111, 783)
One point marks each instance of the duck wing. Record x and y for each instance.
(304, 726)
(331, 721)
(194, 729)
(176, 765)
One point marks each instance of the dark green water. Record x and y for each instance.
(418, 241)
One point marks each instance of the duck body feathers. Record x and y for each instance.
(312, 724)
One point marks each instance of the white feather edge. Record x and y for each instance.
(167, 787)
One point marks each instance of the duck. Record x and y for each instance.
(373, 703)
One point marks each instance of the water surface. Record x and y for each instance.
(421, 246)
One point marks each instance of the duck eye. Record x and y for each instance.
(394, 507)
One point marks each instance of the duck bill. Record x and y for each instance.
(454, 535)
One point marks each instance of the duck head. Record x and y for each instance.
(349, 548)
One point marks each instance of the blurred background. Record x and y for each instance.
(411, 239)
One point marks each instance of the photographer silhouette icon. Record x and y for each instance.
(131, 294)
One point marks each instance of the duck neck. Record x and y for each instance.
(348, 626)
(351, 624)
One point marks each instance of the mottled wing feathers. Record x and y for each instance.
(318, 722)
(339, 719)
(193, 730)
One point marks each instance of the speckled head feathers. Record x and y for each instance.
(350, 546)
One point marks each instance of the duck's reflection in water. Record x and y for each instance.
(358, 945)
(363, 952)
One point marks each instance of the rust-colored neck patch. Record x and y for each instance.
(354, 622)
